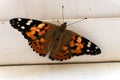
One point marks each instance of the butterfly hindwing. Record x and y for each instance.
(61, 51)
(71, 45)
(38, 33)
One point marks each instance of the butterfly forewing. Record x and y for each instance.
(39, 34)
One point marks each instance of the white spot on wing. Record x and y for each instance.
(22, 27)
(29, 22)
(89, 44)
(91, 51)
(19, 19)
(88, 50)
(96, 47)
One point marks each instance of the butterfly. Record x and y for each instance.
(44, 37)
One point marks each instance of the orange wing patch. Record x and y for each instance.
(64, 54)
(76, 45)
(36, 31)
(38, 46)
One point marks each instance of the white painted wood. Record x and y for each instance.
(103, 32)
(107, 71)
(47, 9)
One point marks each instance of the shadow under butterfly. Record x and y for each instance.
(44, 37)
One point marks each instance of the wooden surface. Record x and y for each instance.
(109, 71)
(46, 9)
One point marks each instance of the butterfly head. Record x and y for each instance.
(63, 26)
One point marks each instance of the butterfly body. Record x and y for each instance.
(45, 37)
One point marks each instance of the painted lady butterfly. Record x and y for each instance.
(62, 44)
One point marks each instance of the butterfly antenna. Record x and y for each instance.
(77, 21)
(63, 13)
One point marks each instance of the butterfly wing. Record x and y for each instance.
(38, 33)
(71, 45)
